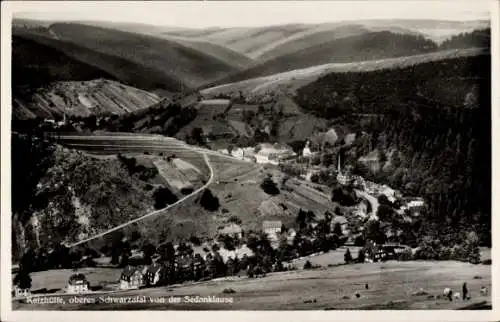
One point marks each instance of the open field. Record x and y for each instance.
(58, 279)
(333, 257)
(391, 286)
(288, 82)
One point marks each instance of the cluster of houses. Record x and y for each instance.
(385, 252)
(134, 277)
(414, 206)
(264, 153)
(272, 228)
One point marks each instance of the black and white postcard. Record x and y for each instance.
(286, 160)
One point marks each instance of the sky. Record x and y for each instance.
(203, 14)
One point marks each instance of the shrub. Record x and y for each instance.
(163, 197)
(269, 187)
(209, 201)
(347, 256)
(186, 191)
(361, 256)
(359, 241)
(406, 255)
(345, 196)
(228, 241)
(23, 279)
(195, 240)
(307, 265)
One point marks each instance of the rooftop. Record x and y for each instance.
(268, 224)
(231, 229)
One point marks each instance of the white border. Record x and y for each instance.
(437, 315)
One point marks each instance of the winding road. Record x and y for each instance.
(156, 212)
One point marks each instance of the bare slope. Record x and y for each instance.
(189, 66)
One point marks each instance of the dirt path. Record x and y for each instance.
(154, 212)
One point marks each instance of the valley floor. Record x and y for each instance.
(392, 285)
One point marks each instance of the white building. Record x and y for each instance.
(77, 283)
(306, 152)
(388, 192)
(272, 228)
(341, 178)
(232, 230)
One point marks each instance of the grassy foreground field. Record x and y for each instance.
(391, 286)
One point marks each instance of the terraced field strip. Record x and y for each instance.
(166, 144)
(88, 141)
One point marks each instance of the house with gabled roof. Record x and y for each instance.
(154, 273)
(78, 283)
(132, 277)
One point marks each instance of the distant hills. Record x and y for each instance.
(263, 43)
(263, 89)
(190, 67)
(363, 47)
(44, 53)
(170, 60)
(168, 65)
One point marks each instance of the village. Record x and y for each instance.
(275, 248)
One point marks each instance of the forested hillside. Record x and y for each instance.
(369, 46)
(191, 67)
(476, 38)
(35, 64)
(437, 116)
(43, 54)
